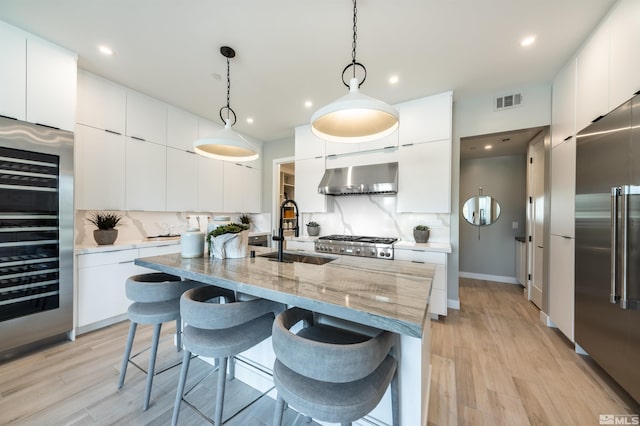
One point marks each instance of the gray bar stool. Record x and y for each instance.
(220, 331)
(156, 299)
(329, 373)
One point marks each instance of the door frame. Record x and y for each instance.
(275, 190)
(536, 207)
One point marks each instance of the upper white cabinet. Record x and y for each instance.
(624, 69)
(563, 188)
(38, 80)
(241, 191)
(51, 84)
(427, 119)
(101, 103)
(99, 169)
(182, 129)
(309, 172)
(146, 118)
(337, 148)
(592, 97)
(182, 180)
(13, 72)
(308, 145)
(210, 184)
(146, 175)
(563, 111)
(424, 177)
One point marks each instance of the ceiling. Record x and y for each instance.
(291, 51)
(501, 144)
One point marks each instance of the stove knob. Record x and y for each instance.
(341, 250)
(373, 252)
(388, 254)
(381, 254)
(357, 251)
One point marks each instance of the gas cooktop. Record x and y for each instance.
(354, 245)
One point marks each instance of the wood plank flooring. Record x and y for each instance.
(493, 363)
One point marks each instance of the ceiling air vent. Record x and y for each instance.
(508, 101)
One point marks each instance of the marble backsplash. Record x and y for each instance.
(375, 215)
(137, 225)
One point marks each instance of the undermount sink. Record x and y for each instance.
(165, 236)
(297, 257)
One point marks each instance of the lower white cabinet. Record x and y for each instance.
(101, 282)
(562, 283)
(424, 177)
(438, 299)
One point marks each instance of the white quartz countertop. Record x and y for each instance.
(380, 293)
(132, 244)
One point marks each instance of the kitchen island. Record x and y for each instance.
(378, 293)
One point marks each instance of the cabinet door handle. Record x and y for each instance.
(113, 132)
(125, 262)
(137, 138)
(407, 144)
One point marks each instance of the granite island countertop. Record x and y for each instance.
(390, 295)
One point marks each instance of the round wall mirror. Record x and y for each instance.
(481, 210)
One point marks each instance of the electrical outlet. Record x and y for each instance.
(514, 225)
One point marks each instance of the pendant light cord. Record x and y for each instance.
(355, 37)
(228, 88)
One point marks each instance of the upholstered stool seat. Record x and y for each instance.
(220, 331)
(156, 299)
(330, 373)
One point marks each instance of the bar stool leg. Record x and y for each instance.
(186, 359)
(277, 416)
(127, 353)
(152, 364)
(395, 403)
(222, 377)
(179, 334)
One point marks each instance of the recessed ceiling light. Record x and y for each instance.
(105, 50)
(308, 104)
(488, 147)
(393, 79)
(250, 120)
(528, 41)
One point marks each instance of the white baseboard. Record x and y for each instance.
(453, 304)
(485, 277)
(579, 350)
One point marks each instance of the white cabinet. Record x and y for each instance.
(146, 118)
(146, 175)
(102, 298)
(242, 187)
(624, 68)
(101, 103)
(426, 119)
(438, 299)
(592, 96)
(99, 169)
(182, 129)
(424, 177)
(563, 111)
(308, 145)
(210, 184)
(521, 262)
(337, 148)
(562, 283)
(563, 189)
(309, 172)
(51, 84)
(182, 180)
(13, 72)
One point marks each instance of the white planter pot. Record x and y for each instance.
(230, 246)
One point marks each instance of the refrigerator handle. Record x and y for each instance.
(627, 190)
(615, 191)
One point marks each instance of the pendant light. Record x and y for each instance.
(354, 117)
(226, 144)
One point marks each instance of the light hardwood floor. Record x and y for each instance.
(493, 363)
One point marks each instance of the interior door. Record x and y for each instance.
(536, 205)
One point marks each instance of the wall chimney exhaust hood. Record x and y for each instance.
(354, 180)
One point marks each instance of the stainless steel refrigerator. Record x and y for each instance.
(36, 235)
(607, 268)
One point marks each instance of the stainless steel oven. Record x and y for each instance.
(36, 235)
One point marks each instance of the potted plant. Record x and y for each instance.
(313, 229)
(229, 241)
(245, 219)
(106, 223)
(421, 233)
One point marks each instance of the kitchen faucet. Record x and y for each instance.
(296, 229)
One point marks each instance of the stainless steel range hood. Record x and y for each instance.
(370, 179)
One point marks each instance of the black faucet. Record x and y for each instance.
(296, 229)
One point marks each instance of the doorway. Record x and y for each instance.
(535, 220)
(284, 187)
